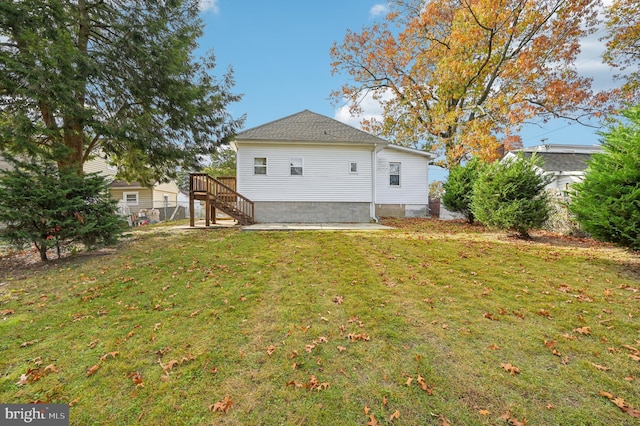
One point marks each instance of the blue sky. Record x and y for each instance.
(279, 51)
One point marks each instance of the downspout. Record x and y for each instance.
(373, 184)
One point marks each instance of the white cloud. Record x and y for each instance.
(371, 109)
(210, 5)
(378, 10)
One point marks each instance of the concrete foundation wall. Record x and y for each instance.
(402, 210)
(311, 212)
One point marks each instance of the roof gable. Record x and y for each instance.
(307, 126)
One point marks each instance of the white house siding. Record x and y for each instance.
(411, 197)
(326, 176)
(326, 192)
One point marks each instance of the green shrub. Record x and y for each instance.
(607, 202)
(510, 194)
(458, 189)
(48, 207)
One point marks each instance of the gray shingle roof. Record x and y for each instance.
(307, 126)
(562, 161)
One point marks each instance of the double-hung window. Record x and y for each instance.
(260, 166)
(296, 166)
(394, 174)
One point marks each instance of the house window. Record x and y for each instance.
(353, 167)
(296, 167)
(394, 174)
(131, 198)
(260, 166)
(165, 200)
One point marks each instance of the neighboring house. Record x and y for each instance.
(310, 168)
(566, 164)
(132, 196)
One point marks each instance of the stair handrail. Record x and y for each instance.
(244, 205)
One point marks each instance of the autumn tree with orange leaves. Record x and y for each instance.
(464, 75)
(623, 45)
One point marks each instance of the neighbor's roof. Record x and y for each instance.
(563, 158)
(307, 126)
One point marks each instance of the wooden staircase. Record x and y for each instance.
(218, 195)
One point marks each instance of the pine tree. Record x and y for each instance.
(49, 207)
(607, 202)
(510, 194)
(459, 187)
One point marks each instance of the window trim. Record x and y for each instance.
(399, 173)
(291, 166)
(351, 171)
(137, 195)
(264, 166)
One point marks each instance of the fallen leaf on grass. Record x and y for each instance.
(512, 420)
(484, 412)
(511, 369)
(394, 416)
(366, 409)
(621, 404)
(601, 367)
(110, 354)
(6, 312)
(359, 336)
(423, 384)
(489, 315)
(583, 330)
(24, 379)
(338, 300)
(341, 349)
(92, 370)
(136, 378)
(493, 347)
(372, 421)
(222, 406)
(270, 349)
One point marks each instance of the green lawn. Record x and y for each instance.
(430, 323)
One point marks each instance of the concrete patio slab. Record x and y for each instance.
(316, 227)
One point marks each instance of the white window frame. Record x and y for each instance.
(261, 166)
(296, 163)
(126, 201)
(399, 174)
(351, 171)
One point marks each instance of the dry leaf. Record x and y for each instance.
(50, 368)
(493, 347)
(384, 401)
(511, 369)
(270, 349)
(484, 412)
(366, 409)
(24, 379)
(582, 330)
(338, 300)
(110, 354)
(394, 416)
(341, 349)
(372, 421)
(222, 406)
(601, 367)
(92, 370)
(489, 315)
(409, 380)
(136, 378)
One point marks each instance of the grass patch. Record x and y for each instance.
(314, 327)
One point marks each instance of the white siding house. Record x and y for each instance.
(310, 168)
(564, 164)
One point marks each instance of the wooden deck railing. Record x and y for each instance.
(217, 194)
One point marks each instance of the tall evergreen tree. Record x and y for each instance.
(118, 76)
(607, 202)
(510, 194)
